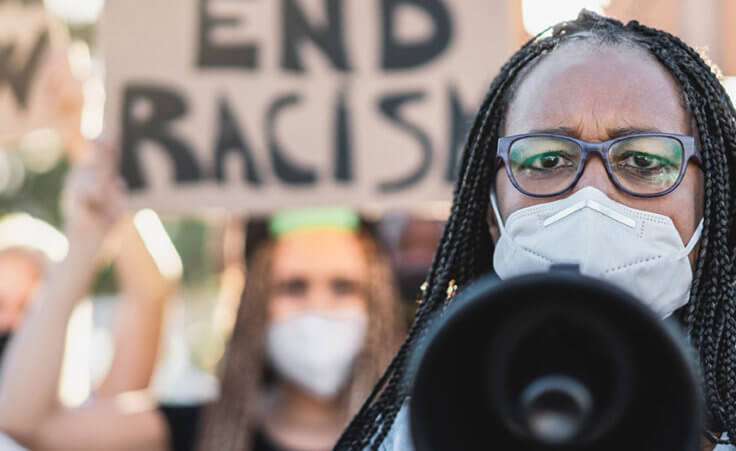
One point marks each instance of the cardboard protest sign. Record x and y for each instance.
(37, 88)
(260, 104)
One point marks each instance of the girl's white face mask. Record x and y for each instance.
(316, 349)
(639, 251)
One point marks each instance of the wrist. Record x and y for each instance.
(82, 257)
(67, 281)
(87, 240)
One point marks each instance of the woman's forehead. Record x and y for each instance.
(595, 89)
(319, 251)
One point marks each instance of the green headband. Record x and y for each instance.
(287, 221)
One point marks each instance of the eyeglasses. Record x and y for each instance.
(642, 164)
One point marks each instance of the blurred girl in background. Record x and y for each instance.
(317, 323)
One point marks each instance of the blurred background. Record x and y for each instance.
(199, 246)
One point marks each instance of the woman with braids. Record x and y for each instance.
(598, 125)
(316, 326)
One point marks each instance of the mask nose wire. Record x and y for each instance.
(693, 240)
(686, 251)
(496, 213)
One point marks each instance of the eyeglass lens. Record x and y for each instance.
(643, 165)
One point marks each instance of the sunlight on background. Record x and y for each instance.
(12, 172)
(74, 384)
(539, 14)
(41, 149)
(158, 243)
(89, 72)
(76, 11)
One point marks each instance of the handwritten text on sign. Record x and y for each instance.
(259, 104)
(34, 72)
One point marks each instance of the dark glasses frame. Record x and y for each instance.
(690, 151)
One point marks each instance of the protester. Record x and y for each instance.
(139, 312)
(30, 245)
(20, 272)
(320, 314)
(27, 244)
(316, 325)
(595, 79)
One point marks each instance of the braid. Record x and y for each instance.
(466, 247)
(228, 423)
(710, 317)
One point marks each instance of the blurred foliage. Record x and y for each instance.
(39, 195)
(191, 237)
(105, 281)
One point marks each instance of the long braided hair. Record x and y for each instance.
(465, 250)
(228, 423)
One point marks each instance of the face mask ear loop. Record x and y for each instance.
(693, 241)
(496, 213)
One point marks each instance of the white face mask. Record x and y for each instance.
(317, 349)
(639, 251)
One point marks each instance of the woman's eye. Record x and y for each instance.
(292, 287)
(547, 160)
(344, 287)
(639, 160)
(642, 161)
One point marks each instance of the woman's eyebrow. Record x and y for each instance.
(567, 131)
(612, 132)
(623, 131)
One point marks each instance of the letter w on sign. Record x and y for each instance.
(20, 77)
(37, 87)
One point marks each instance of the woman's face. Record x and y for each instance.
(596, 93)
(317, 269)
(19, 275)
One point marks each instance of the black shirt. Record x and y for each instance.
(183, 424)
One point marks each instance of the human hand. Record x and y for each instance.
(93, 195)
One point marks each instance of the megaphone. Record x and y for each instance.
(553, 361)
